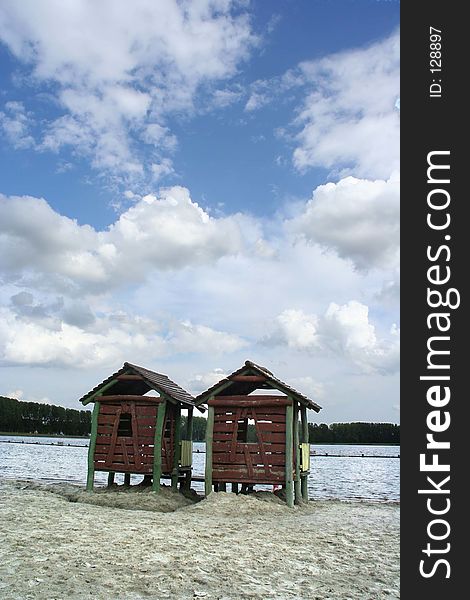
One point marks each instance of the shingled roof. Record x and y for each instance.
(150, 381)
(245, 388)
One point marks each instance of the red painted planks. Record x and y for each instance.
(225, 458)
(225, 447)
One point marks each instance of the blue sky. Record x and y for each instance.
(190, 185)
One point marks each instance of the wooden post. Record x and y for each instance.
(157, 447)
(189, 425)
(176, 451)
(209, 439)
(189, 436)
(91, 448)
(304, 478)
(289, 444)
(298, 493)
(127, 479)
(235, 488)
(222, 487)
(186, 485)
(110, 478)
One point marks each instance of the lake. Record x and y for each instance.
(345, 472)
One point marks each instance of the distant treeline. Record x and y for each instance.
(336, 433)
(32, 417)
(354, 433)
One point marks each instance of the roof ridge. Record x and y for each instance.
(284, 387)
(157, 381)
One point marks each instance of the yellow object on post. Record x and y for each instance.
(305, 457)
(186, 453)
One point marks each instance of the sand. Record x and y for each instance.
(58, 542)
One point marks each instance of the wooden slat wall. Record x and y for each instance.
(131, 454)
(239, 462)
(168, 440)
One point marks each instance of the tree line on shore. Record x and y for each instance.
(31, 417)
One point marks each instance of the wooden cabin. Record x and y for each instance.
(132, 432)
(280, 454)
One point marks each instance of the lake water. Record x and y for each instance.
(337, 471)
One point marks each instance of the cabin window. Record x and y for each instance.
(125, 425)
(246, 432)
(242, 430)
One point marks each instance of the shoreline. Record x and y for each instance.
(87, 437)
(62, 542)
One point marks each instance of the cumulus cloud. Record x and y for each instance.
(117, 68)
(343, 331)
(356, 218)
(103, 341)
(165, 232)
(349, 119)
(187, 337)
(298, 330)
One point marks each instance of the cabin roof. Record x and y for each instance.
(150, 381)
(245, 388)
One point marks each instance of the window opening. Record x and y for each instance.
(246, 432)
(125, 425)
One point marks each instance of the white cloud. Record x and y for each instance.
(309, 386)
(104, 341)
(166, 232)
(158, 136)
(187, 337)
(389, 294)
(161, 169)
(118, 68)
(344, 331)
(356, 218)
(255, 101)
(16, 124)
(226, 97)
(20, 395)
(203, 381)
(298, 330)
(349, 120)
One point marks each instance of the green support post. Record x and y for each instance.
(127, 479)
(189, 437)
(305, 440)
(177, 451)
(189, 427)
(297, 488)
(209, 440)
(157, 446)
(235, 488)
(110, 478)
(289, 458)
(91, 448)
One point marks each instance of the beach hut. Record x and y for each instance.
(279, 454)
(132, 432)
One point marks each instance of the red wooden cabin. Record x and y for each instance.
(279, 454)
(136, 433)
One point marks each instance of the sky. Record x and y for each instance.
(189, 185)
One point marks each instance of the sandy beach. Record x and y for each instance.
(58, 542)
